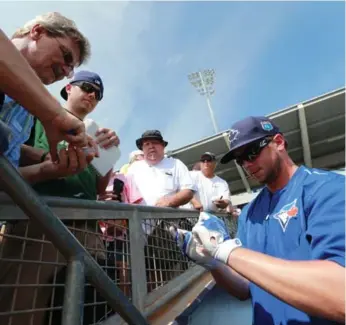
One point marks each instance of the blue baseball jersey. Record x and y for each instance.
(303, 221)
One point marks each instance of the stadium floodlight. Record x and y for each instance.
(203, 81)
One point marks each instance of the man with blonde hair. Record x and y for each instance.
(52, 46)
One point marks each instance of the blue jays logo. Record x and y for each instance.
(286, 213)
(267, 126)
(232, 136)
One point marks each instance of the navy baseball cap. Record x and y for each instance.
(87, 76)
(246, 131)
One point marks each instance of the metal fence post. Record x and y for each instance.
(72, 313)
(138, 270)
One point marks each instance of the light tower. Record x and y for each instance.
(203, 81)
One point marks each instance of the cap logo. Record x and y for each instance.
(262, 143)
(267, 126)
(233, 135)
(97, 82)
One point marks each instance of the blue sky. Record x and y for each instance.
(267, 56)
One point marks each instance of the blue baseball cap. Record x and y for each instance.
(248, 130)
(87, 76)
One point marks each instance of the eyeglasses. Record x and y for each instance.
(89, 88)
(68, 58)
(252, 151)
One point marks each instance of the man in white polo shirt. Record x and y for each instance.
(162, 181)
(212, 191)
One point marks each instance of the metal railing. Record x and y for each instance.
(80, 262)
(130, 280)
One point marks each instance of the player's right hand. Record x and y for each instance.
(191, 249)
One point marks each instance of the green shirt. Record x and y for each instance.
(82, 185)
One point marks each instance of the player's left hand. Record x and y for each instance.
(211, 232)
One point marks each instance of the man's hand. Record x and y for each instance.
(164, 202)
(92, 146)
(191, 249)
(106, 138)
(196, 204)
(67, 127)
(211, 233)
(48, 157)
(221, 204)
(108, 196)
(198, 207)
(70, 161)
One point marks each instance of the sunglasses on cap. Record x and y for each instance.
(89, 88)
(252, 151)
(207, 158)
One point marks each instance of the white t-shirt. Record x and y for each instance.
(209, 189)
(168, 177)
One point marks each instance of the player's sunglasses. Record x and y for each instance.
(89, 88)
(252, 151)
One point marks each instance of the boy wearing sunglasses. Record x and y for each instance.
(289, 254)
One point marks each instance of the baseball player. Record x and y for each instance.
(289, 252)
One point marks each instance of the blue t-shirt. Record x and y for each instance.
(20, 121)
(303, 221)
